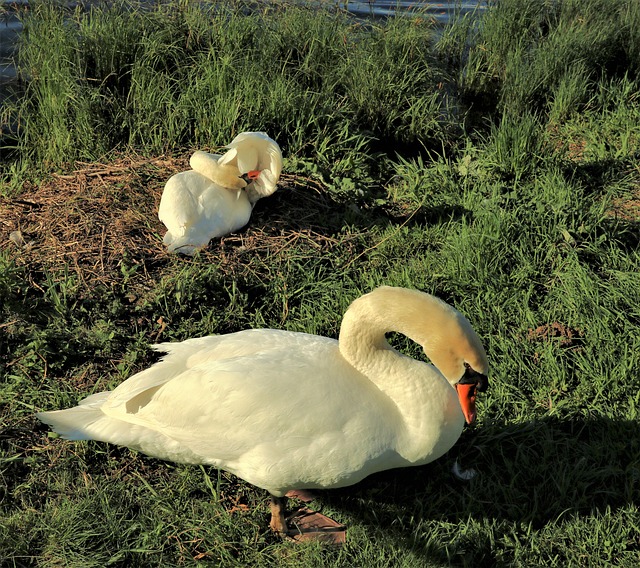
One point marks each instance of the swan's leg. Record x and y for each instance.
(278, 522)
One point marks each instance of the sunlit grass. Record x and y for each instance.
(496, 168)
(157, 78)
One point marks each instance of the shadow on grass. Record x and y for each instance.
(311, 208)
(529, 474)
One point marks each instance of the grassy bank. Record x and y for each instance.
(494, 164)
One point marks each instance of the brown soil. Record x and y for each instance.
(566, 336)
(626, 208)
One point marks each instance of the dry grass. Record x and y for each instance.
(98, 216)
(89, 219)
(627, 207)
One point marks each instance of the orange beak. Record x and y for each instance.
(254, 174)
(467, 396)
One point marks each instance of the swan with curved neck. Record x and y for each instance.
(241, 402)
(213, 199)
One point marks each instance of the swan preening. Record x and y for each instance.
(212, 199)
(286, 410)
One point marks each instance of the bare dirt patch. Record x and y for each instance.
(626, 208)
(555, 331)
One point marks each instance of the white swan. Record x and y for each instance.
(212, 199)
(286, 410)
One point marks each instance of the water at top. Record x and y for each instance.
(439, 11)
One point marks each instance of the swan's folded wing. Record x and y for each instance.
(179, 205)
(237, 380)
(247, 159)
(211, 412)
(177, 363)
(226, 408)
(270, 166)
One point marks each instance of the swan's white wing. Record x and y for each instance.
(258, 152)
(271, 166)
(254, 407)
(179, 205)
(237, 352)
(180, 358)
(224, 211)
(250, 138)
(195, 210)
(226, 158)
(247, 158)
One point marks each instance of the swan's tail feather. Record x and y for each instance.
(87, 421)
(73, 423)
(187, 244)
(83, 422)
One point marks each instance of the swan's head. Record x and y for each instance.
(259, 158)
(467, 388)
(458, 354)
(220, 170)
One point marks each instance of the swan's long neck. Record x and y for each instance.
(412, 387)
(423, 318)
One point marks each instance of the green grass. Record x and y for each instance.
(159, 79)
(494, 165)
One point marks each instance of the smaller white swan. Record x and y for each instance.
(213, 199)
(287, 411)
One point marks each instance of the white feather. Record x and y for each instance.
(212, 199)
